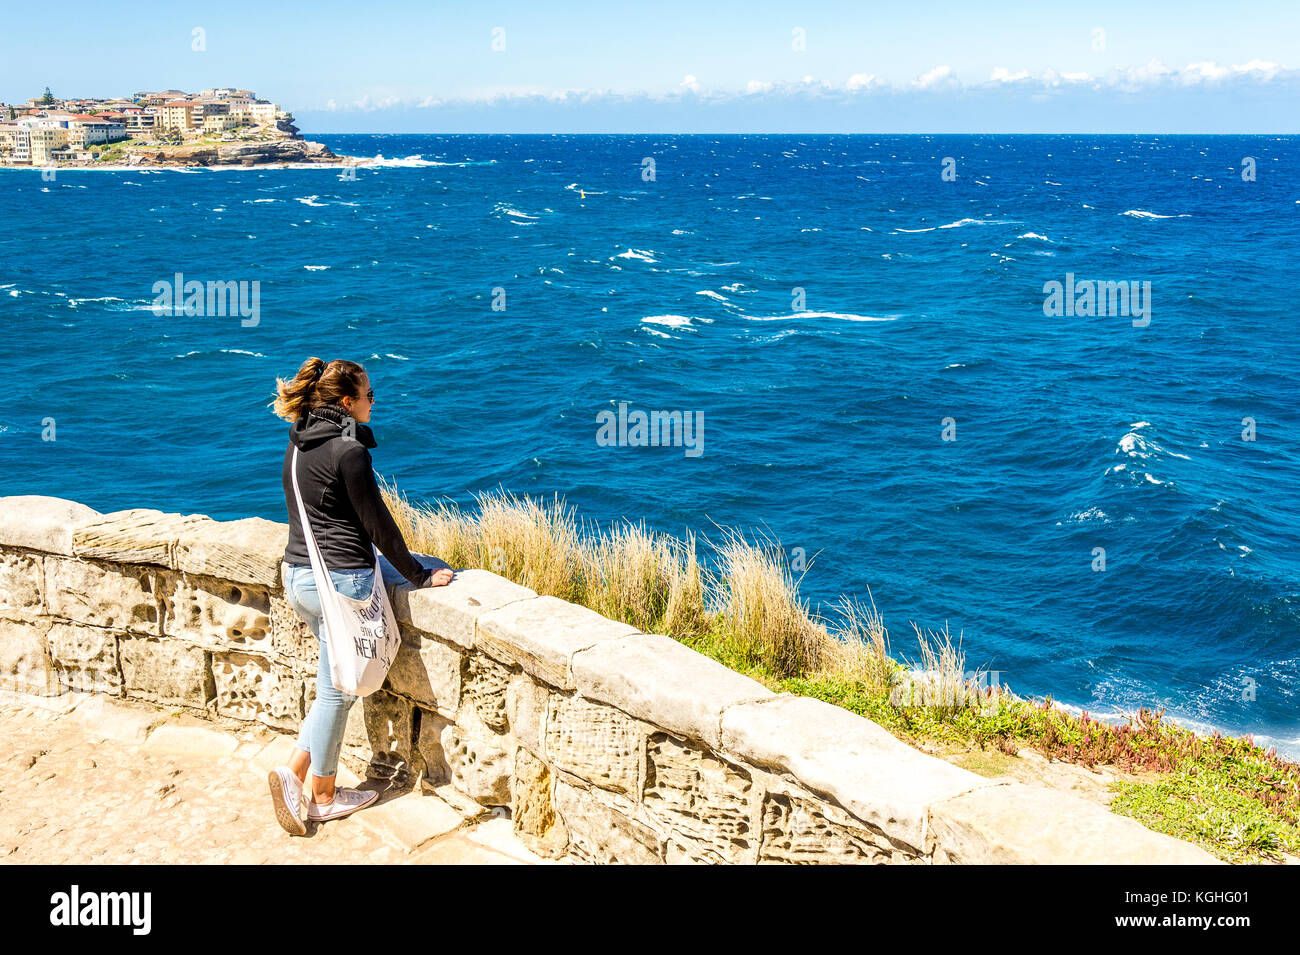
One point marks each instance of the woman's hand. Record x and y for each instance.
(440, 577)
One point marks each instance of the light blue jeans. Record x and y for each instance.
(322, 730)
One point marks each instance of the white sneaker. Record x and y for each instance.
(286, 797)
(346, 800)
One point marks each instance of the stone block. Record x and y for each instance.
(246, 551)
(427, 671)
(601, 834)
(291, 639)
(102, 595)
(541, 636)
(450, 611)
(532, 807)
(799, 830)
(527, 702)
(164, 671)
(704, 803)
(194, 737)
(479, 764)
(41, 523)
(485, 690)
(85, 658)
(21, 580)
(379, 738)
(217, 615)
(1018, 824)
(409, 820)
(661, 681)
(596, 743)
(135, 536)
(25, 665)
(847, 759)
(433, 766)
(251, 687)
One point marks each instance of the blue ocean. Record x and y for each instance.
(1103, 503)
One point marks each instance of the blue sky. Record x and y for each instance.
(669, 66)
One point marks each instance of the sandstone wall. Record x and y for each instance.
(608, 745)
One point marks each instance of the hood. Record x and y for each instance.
(324, 424)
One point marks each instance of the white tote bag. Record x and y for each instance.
(361, 634)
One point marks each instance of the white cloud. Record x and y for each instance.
(1002, 75)
(939, 76)
(1001, 81)
(1207, 71)
(863, 81)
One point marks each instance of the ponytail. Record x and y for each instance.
(317, 383)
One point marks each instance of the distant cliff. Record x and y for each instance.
(245, 153)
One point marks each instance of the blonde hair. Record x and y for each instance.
(317, 383)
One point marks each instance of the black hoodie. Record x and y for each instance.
(342, 498)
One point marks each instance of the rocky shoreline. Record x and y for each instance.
(271, 153)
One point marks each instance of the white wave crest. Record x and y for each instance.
(638, 254)
(843, 316)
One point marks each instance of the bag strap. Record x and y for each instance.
(313, 551)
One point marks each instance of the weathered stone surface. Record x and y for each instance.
(704, 802)
(41, 523)
(601, 834)
(215, 614)
(485, 690)
(541, 635)
(1029, 825)
(291, 639)
(657, 679)
(85, 658)
(244, 551)
(20, 585)
(251, 687)
(164, 671)
(595, 742)
(480, 764)
(136, 536)
(433, 767)
(857, 764)
(526, 706)
(427, 671)
(533, 810)
(24, 658)
(102, 595)
(449, 612)
(803, 831)
(379, 737)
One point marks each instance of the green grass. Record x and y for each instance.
(1233, 798)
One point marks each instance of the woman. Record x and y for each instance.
(329, 405)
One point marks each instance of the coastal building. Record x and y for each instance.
(46, 143)
(177, 114)
(140, 119)
(220, 123)
(88, 130)
(15, 143)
